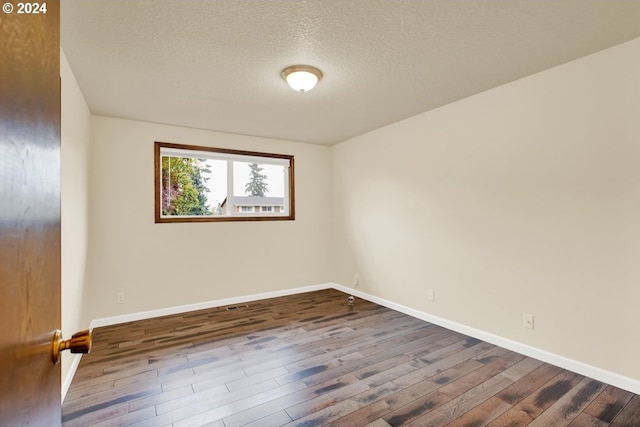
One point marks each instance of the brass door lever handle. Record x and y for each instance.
(80, 342)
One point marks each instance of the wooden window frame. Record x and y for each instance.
(224, 152)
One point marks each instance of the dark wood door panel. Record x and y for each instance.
(29, 216)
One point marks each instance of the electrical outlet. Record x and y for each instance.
(527, 321)
(120, 298)
(431, 295)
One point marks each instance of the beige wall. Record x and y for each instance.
(165, 265)
(522, 199)
(74, 159)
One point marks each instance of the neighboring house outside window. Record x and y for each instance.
(254, 204)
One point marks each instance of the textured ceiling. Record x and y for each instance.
(215, 64)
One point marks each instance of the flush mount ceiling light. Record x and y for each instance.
(301, 78)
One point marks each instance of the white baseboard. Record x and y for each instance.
(590, 371)
(66, 381)
(107, 321)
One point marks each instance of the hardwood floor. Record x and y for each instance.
(313, 360)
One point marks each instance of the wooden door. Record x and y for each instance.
(29, 214)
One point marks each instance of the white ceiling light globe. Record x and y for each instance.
(301, 78)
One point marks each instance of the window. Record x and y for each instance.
(213, 184)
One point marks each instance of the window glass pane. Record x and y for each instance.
(259, 186)
(258, 180)
(184, 186)
(217, 184)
